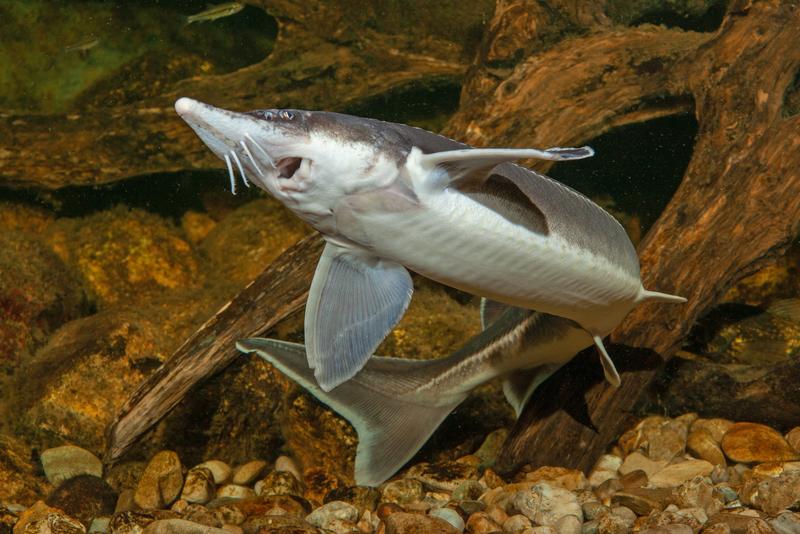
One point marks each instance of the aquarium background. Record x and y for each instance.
(119, 237)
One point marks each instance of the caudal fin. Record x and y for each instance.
(380, 402)
(660, 297)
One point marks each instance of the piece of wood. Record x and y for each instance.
(277, 293)
(737, 208)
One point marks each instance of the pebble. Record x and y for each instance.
(180, 526)
(161, 481)
(605, 468)
(612, 524)
(667, 440)
(793, 438)
(451, 516)
(752, 442)
(443, 476)
(250, 472)
(639, 462)
(676, 474)
(469, 490)
(674, 528)
(322, 516)
(199, 485)
(642, 501)
(200, 514)
(634, 479)
(279, 483)
(698, 493)
(134, 522)
(278, 524)
(62, 463)
(83, 497)
(403, 491)
(362, 497)
(516, 523)
(490, 448)
(786, 523)
(99, 525)
(219, 469)
(702, 445)
(284, 463)
(234, 491)
(482, 523)
(716, 427)
(740, 523)
(406, 523)
(775, 494)
(42, 519)
(570, 479)
(569, 524)
(545, 504)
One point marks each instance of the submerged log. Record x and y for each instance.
(277, 293)
(737, 208)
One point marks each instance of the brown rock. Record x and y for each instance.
(793, 439)
(180, 526)
(697, 493)
(41, 519)
(634, 479)
(362, 497)
(385, 509)
(752, 442)
(715, 427)
(666, 441)
(134, 522)
(198, 513)
(740, 523)
(702, 445)
(482, 523)
(277, 524)
(403, 491)
(198, 486)
(676, 474)
(775, 494)
(247, 473)
(443, 476)
(571, 479)
(161, 481)
(18, 480)
(642, 500)
(639, 462)
(84, 497)
(293, 506)
(126, 255)
(34, 300)
(405, 523)
(279, 483)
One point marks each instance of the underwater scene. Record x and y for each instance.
(399, 267)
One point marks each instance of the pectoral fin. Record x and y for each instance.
(475, 164)
(519, 385)
(354, 302)
(610, 372)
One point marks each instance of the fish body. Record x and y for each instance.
(83, 46)
(216, 12)
(389, 197)
(395, 404)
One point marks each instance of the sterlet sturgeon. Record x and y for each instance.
(389, 196)
(396, 404)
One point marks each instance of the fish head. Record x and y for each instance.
(299, 157)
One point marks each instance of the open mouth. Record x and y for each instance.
(288, 166)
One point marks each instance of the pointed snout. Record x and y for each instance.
(185, 106)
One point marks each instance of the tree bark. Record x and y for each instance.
(737, 208)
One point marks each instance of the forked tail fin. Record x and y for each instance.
(660, 297)
(392, 423)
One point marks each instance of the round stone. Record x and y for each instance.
(752, 442)
(449, 515)
(248, 473)
(161, 482)
(62, 463)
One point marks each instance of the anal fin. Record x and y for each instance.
(609, 370)
(519, 385)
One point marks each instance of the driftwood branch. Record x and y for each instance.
(277, 293)
(737, 207)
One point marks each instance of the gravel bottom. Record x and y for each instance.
(679, 475)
